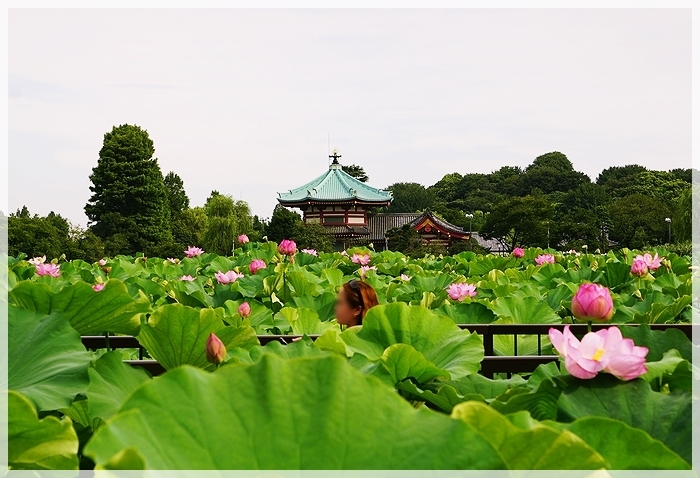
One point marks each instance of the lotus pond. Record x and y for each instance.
(403, 391)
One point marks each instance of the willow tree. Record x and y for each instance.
(226, 220)
(129, 206)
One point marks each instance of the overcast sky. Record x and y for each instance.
(242, 101)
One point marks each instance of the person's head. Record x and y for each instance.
(354, 300)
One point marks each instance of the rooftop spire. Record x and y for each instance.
(335, 156)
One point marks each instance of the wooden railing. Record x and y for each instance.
(492, 364)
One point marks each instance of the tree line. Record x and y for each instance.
(134, 208)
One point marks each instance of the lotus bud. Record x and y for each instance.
(519, 252)
(216, 351)
(244, 310)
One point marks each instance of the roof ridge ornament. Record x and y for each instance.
(335, 156)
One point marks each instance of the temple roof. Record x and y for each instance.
(428, 218)
(335, 185)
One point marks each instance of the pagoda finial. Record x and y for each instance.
(335, 156)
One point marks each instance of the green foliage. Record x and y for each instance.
(682, 217)
(47, 362)
(295, 410)
(189, 227)
(521, 221)
(313, 236)
(177, 198)
(283, 224)
(129, 198)
(549, 173)
(356, 172)
(410, 197)
(38, 444)
(639, 219)
(281, 406)
(226, 220)
(176, 334)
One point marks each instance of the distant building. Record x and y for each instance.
(338, 201)
(343, 205)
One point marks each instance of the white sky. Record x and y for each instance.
(242, 101)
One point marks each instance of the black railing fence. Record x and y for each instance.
(491, 365)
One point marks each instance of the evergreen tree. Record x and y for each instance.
(177, 198)
(283, 224)
(129, 207)
(357, 172)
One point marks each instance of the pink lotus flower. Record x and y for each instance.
(187, 278)
(227, 278)
(102, 262)
(460, 291)
(243, 239)
(287, 247)
(592, 302)
(518, 252)
(652, 263)
(544, 259)
(216, 350)
(313, 252)
(35, 261)
(573, 252)
(639, 267)
(48, 270)
(98, 287)
(362, 259)
(365, 269)
(192, 251)
(256, 265)
(406, 278)
(602, 351)
(244, 310)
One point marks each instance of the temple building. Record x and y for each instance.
(346, 207)
(338, 201)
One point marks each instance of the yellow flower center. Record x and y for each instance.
(598, 354)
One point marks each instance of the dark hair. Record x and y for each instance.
(360, 294)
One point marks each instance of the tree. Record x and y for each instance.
(177, 198)
(283, 224)
(35, 235)
(313, 236)
(616, 178)
(520, 221)
(403, 239)
(189, 227)
(356, 172)
(129, 197)
(549, 173)
(410, 197)
(638, 220)
(222, 224)
(662, 185)
(682, 218)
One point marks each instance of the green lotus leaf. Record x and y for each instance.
(538, 448)
(47, 360)
(625, 447)
(34, 444)
(665, 417)
(435, 336)
(305, 413)
(176, 335)
(111, 382)
(110, 310)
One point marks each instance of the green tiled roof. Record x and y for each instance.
(335, 185)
